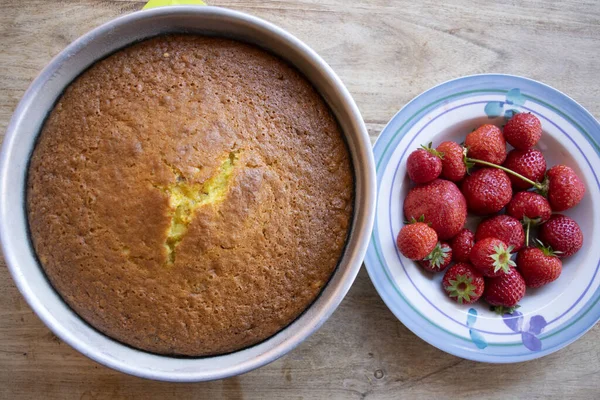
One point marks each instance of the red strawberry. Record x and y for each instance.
(442, 205)
(424, 165)
(438, 259)
(563, 234)
(505, 291)
(487, 191)
(565, 189)
(416, 240)
(503, 227)
(529, 163)
(529, 205)
(453, 165)
(538, 266)
(463, 283)
(462, 244)
(491, 257)
(523, 131)
(486, 143)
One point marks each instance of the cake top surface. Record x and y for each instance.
(190, 195)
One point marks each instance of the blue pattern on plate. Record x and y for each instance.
(476, 337)
(529, 336)
(515, 97)
(494, 109)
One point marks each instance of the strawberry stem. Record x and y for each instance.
(527, 234)
(536, 185)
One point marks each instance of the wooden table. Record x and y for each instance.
(386, 52)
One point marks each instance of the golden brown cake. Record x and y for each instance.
(190, 195)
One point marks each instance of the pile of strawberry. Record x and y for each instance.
(491, 180)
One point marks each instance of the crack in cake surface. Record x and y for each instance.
(185, 198)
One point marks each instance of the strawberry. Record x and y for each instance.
(503, 227)
(438, 259)
(461, 245)
(463, 283)
(453, 165)
(529, 206)
(523, 131)
(538, 266)
(491, 257)
(505, 291)
(529, 163)
(486, 143)
(487, 191)
(563, 234)
(424, 165)
(564, 188)
(442, 205)
(416, 240)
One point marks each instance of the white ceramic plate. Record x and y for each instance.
(550, 317)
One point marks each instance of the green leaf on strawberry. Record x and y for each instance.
(543, 188)
(547, 250)
(501, 310)
(429, 148)
(468, 163)
(438, 256)
(502, 259)
(461, 288)
(414, 221)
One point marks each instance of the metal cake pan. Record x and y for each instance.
(20, 140)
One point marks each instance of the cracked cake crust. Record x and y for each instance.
(190, 195)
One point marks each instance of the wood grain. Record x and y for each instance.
(386, 52)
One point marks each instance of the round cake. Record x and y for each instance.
(190, 195)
